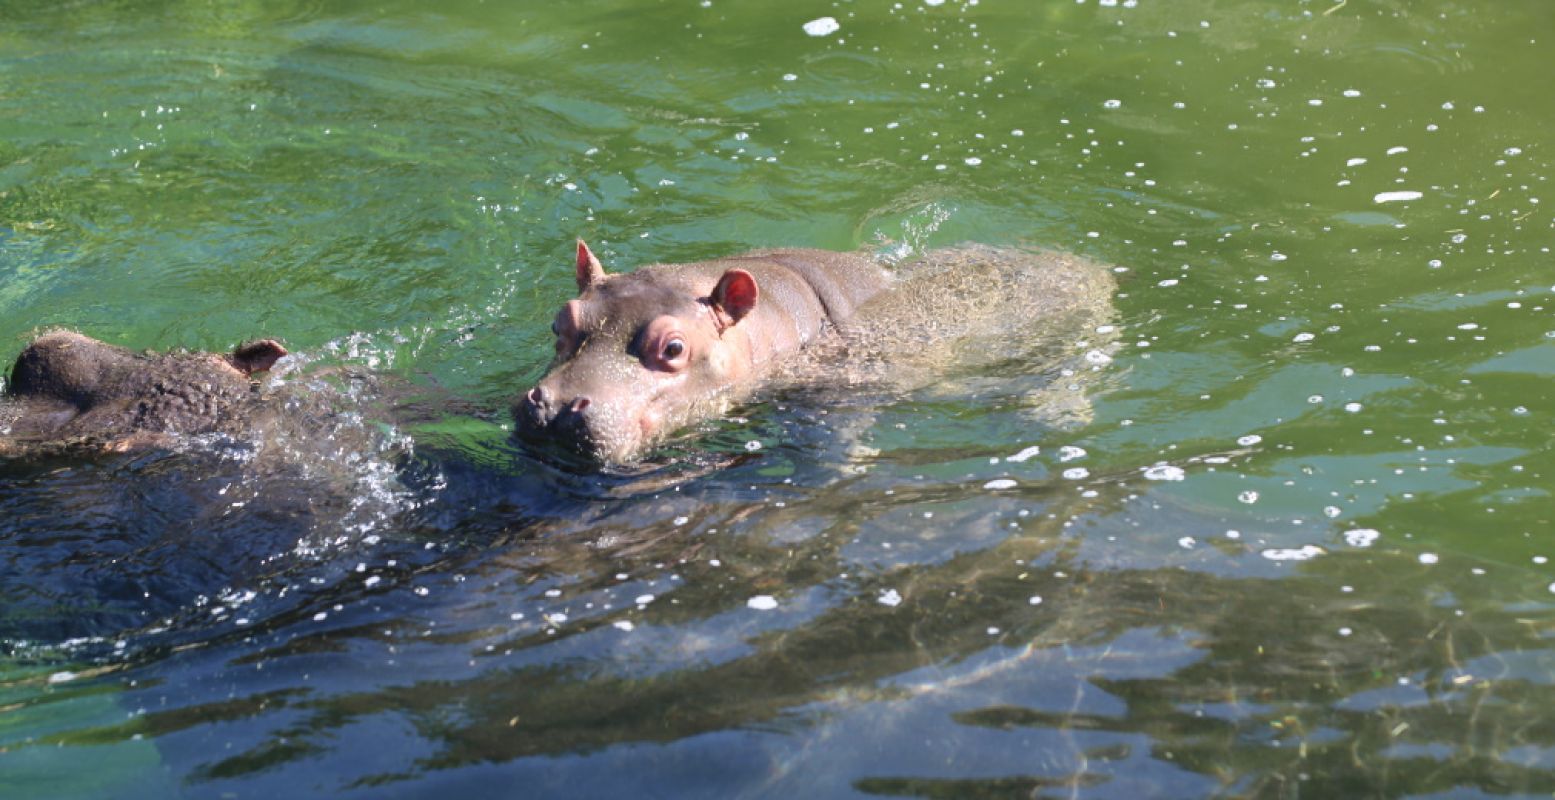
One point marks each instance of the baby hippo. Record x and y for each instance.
(69, 390)
(643, 353)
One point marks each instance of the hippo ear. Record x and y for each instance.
(590, 271)
(256, 356)
(735, 293)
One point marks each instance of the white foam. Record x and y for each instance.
(1361, 537)
(1304, 553)
(824, 26)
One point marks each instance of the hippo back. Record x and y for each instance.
(841, 281)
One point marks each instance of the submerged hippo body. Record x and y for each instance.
(643, 353)
(68, 389)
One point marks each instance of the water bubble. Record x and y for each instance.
(1249, 440)
(1395, 197)
(1304, 337)
(1165, 472)
(824, 26)
(644, 599)
(1070, 452)
(762, 602)
(1000, 483)
(1249, 497)
(889, 597)
(1076, 473)
(1112, 104)
(623, 625)
(1024, 454)
(1428, 558)
(1303, 553)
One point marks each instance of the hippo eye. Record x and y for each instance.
(673, 349)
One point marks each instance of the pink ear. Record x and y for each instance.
(590, 271)
(735, 293)
(256, 356)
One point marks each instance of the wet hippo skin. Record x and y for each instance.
(641, 354)
(67, 389)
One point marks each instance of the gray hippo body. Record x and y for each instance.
(641, 354)
(70, 390)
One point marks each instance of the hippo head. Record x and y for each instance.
(639, 355)
(66, 386)
(85, 372)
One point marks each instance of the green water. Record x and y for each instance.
(395, 187)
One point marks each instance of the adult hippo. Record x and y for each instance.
(70, 390)
(641, 354)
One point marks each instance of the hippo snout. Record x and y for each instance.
(539, 412)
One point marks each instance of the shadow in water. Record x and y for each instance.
(1359, 673)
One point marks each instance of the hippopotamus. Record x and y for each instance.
(641, 354)
(70, 390)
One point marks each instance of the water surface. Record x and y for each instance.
(1296, 544)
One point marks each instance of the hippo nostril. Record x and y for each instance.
(578, 405)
